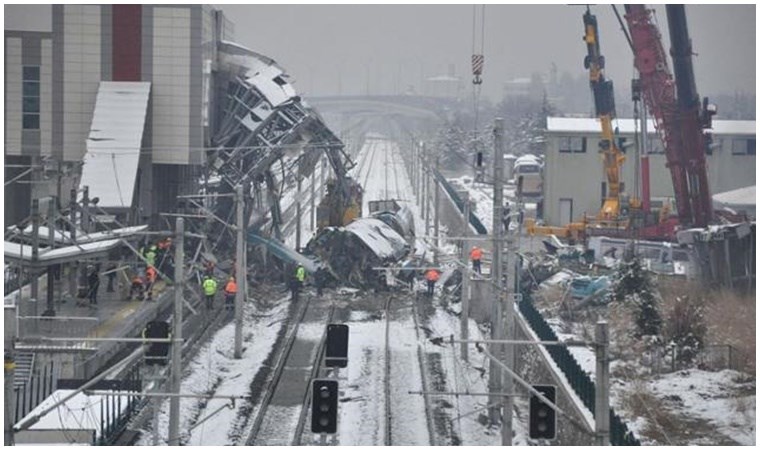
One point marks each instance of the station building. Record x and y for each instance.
(575, 183)
(117, 97)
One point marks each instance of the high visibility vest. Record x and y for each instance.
(432, 275)
(150, 257)
(300, 274)
(231, 287)
(209, 286)
(476, 253)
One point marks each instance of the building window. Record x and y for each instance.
(569, 144)
(743, 147)
(31, 98)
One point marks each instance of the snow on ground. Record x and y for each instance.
(214, 369)
(703, 403)
(711, 396)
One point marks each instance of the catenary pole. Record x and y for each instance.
(176, 368)
(602, 397)
(497, 324)
(465, 291)
(240, 274)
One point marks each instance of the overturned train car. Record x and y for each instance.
(354, 253)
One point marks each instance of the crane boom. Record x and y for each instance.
(604, 102)
(678, 120)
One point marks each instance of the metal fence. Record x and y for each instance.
(35, 327)
(116, 411)
(579, 380)
(474, 221)
(39, 386)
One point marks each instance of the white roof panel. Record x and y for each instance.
(113, 146)
(591, 125)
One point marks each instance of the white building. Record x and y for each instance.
(574, 180)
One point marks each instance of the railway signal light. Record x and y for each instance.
(336, 348)
(157, 352)
(324, 406)
(543, 419)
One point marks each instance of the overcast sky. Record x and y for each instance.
(332, 48)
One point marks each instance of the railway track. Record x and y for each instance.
(283, 408)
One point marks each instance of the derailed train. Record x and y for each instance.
(353, 254)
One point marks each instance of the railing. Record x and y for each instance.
(116, 411)
(35, 327)
(578, 379)
(36, 390)
(474, 221)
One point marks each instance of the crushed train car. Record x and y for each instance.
(353, 253)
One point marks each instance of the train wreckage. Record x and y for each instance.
(354, 253)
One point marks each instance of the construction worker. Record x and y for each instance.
(150, 256)
(137, 288)
(230, 291)
(150, 277)
(209, 290)
(476, 254)
(93, 284)
(320, 277)
(297, 281)
(431, 275)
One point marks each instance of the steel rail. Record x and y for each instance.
(253, 434)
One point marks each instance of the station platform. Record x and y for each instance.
(115, 317)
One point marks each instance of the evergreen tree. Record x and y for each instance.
(634, 284)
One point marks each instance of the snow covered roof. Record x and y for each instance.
(738, 200)
(81, 412)
(261, 72)
(591, 125)
(16, 251)
(62, 236)
(113, 146)
(384, 241)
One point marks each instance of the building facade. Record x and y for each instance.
(574, 180)
(53, 77)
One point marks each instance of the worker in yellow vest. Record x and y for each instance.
(209, 290)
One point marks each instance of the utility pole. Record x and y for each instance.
(464, 322)
(298, 214)
(437, 206)
(86, 209)
(240, 274)
(9, 366)
(602, 405)
(497, 322)
(35, 287)
(52, 210)
(176, 369)
(73, 224)
(426, 191)
(509, 322)
(312, 212)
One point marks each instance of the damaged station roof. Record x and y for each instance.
(352, 254)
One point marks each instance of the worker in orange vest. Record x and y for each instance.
(432, 275)
(230, 291)
(476, 254)
(137, 288)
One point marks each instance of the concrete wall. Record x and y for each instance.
(81, 75)
(579, 176)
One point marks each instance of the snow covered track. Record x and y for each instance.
(281, 415)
